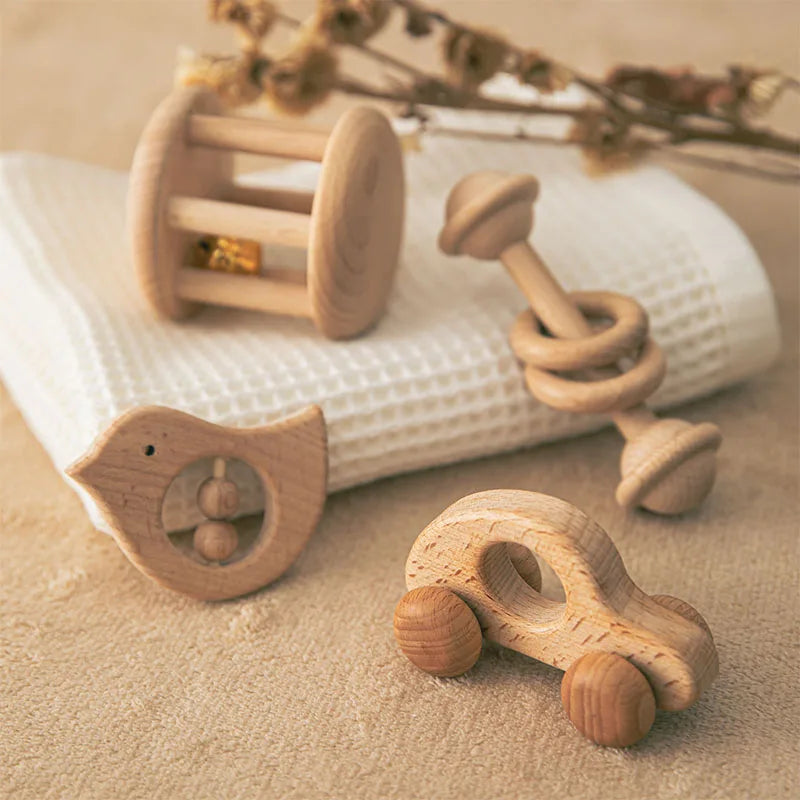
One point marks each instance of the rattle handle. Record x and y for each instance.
(545, 295)
(553, 306)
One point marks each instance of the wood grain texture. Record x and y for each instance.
(437, 632)
(604, 610)
(182, 186)
(131, 465)
(357, 224)
(683, 608)
(608, 700)
(667, 468)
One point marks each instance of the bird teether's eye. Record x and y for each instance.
(149, 449)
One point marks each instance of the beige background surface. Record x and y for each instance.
(111, 687)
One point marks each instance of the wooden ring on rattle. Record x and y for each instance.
(600, 396)
(604, 347)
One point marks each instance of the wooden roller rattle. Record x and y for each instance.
(473, 574)
(131, 466)
(182, 188)
(668, 465)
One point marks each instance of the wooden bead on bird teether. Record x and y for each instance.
(625, 653)
(182, 191)
(668, 466)
(218, 497)
(215, 540)
(437, 632)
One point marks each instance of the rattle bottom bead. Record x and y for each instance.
(215, 540)
(669, 467)
(608, 699)
(437, 631)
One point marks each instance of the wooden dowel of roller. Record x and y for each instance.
(256, 136)
(243, 291)
(264, 225)
(559, 314)
(280, 199)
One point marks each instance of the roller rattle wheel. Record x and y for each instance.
(357, 224)
(608, 700)
(683, 608)
(437, 631)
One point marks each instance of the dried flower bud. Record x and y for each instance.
(606, 146)
(252, 18)
(682, 90)
(351, 21)
(418, 23)
(472, 57)
(542, 73)
(231, 77)
(302, 79)
(758, 90)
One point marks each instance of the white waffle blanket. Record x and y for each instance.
(434, 383)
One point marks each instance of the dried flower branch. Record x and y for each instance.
(231, 77)
(542, 73)
(631, 113)
(782, 173)
(302, 79)
(472, 57)
(350, 21)
(251, 18)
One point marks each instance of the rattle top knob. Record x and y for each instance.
(487, 212)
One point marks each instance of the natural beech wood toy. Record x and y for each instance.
(132, 464)
(625, 653)
(182, 188)
(668, 465)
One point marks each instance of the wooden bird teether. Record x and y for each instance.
(182, 188)
(625, 653)
(132, 464)
(668, 466)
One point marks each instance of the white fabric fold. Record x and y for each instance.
(435, 382)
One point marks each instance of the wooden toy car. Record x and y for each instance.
(472, 573)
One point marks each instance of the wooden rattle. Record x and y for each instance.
(668, 465)
(132, 464)
(182, 186)
(625, 653)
